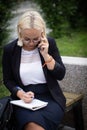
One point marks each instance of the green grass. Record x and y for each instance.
(74, 45)
(3, 91)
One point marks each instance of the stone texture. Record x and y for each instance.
(76, 81)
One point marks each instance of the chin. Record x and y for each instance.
(31, 48)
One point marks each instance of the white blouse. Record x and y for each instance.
(31, 71)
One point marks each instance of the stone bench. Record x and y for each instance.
(74, 102)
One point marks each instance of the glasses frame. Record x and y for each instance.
(31, 40)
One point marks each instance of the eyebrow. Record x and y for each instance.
(31, 38)
(36, 38)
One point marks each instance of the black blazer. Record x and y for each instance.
(11, 64)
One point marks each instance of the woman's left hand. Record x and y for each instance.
(44, 45)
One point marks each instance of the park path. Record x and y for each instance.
(19, 9)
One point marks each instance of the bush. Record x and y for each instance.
(62, 15)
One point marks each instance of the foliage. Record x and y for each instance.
(3, 91)
(6, 7)
(63, 15)
(74, 45)
(5, 15)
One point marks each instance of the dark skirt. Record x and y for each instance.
(48, 117)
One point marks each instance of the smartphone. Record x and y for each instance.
(37, 45)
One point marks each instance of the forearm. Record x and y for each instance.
(56, 68)
(49, 62)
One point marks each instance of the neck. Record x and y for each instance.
(28, 49)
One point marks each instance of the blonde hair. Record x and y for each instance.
(29, 20)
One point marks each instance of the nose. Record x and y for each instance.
(31, 42)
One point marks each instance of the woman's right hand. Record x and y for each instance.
(25, 96)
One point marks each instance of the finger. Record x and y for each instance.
(27, 100)
(42, 44)
(25, 95)
(43, 47)
(44, 39)
(31, 94)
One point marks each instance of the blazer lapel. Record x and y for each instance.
(16, 63)
(44, 68)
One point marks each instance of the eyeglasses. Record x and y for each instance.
(28, 40)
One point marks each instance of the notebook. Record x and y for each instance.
(34, 105)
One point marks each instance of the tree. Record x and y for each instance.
(63, 15)
(6, 7)
(5, 15)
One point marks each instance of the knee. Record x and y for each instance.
(28, 126)
(32, 126)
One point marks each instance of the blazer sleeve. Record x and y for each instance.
(59, 69)
(8, 77)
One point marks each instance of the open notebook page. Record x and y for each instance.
(34, 105)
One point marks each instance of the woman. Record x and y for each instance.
(32, 67)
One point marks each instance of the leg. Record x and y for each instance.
(33, 126)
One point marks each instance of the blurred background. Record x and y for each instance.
(66, 21)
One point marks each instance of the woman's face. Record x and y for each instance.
(31, 38)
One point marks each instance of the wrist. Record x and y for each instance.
(48, 60)
(47, 57)
(20, 93)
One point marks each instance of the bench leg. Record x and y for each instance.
(78, 116)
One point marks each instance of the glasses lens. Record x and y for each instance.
(36, 41)
(31, 40)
